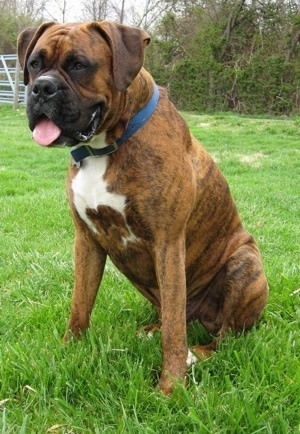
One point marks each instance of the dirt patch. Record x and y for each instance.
(253, 160)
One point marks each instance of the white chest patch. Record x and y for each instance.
(90, 191)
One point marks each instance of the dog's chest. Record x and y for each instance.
(103, 211)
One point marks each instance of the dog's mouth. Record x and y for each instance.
(89, 132)
(48, 133)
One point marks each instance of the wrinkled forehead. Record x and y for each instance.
(71, 38)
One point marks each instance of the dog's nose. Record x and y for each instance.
(44, 89)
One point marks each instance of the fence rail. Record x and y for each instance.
(12, 89)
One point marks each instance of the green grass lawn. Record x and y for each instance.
(106, 383)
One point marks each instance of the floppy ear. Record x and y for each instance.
(26, 42)
(128, 48)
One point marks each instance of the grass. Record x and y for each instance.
(106, 383)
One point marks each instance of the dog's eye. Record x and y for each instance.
(35, 64)
(78, 66)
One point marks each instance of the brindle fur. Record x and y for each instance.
(193, 260)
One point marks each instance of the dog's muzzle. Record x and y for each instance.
(52, 121)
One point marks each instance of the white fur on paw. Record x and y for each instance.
(142, 334)
(191, 359)
(149, 335)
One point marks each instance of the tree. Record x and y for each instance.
(16, 15)
(56, 10)
(230, 54)
(119, 11)
(149, 12)
(241, 55)
(96, 10)
(141, 14)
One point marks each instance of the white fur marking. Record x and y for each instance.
(130, 239)
(90, 190)
(191, 359)
(148, 335)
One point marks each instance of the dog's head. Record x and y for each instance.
(76, 73)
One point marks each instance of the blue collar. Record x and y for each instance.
(133, 126)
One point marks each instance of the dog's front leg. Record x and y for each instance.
(170, 269)
(90, 260)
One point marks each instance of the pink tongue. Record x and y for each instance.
(46, 132)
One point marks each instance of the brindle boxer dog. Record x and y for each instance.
(142, 189)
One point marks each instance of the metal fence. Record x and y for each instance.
(12, 89)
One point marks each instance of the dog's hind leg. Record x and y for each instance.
(235, 298)
(246, 290)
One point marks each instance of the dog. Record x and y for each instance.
(142, 189)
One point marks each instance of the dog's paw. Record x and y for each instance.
(199, 352)
(167, 383)
(191, 359)
(149, 330)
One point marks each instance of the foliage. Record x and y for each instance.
(212, 55)
(10, 27)
(106, 383)
(230, 55)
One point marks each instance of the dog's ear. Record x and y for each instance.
(128, 50)
(26, 42)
